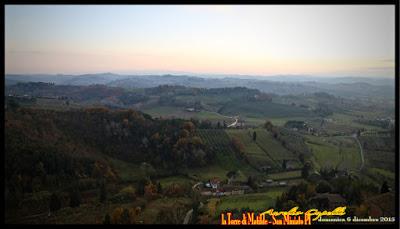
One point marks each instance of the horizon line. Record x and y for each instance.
(199, 75)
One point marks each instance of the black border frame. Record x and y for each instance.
(270, 2)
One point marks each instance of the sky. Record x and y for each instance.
(330, 40)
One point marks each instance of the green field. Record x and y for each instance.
(182, 180)
(180, 112)
(220, 143)
(255, 155)
(274, 148)
(285, 175)
(128, 172)
(255, 201)
(335, 151)
(346, 120)
(261, 109)
(212, 171)
(265, 150)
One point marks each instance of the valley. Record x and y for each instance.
(143, 151)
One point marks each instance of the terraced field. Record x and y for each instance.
(274, 148)
(285, 175)
(264, 151)
(256, 156)
(263, 109)
(220, 143)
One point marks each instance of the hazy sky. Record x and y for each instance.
(262, 40)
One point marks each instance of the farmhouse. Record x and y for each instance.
(265, 168)
(212, 183)
(214, 188)
(290, 165)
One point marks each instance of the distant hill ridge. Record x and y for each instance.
(282, 85)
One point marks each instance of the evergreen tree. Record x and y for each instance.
(305, 172)
(385, 187)
(284, 164)
(125, 217)
(75, 198)
(159, 188)
(13, 105)
(103, 192)
(55, 202)
(107, 219)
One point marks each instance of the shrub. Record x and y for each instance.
(126, 194)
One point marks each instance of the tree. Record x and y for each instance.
(159, 188)
(323, 187)
(284, 164)
(305, 172)
(231, 176)
(103, 192)
(150, 191)
(107, 219)
(254, 136)
(13, 105)
(117, 215)
(268, 125)
(55, 202)
(75, 198)
(125, 217)
(40, 171)
(184, 133)
(237, 145)
(141, 184)
(147, 170)
(385, 187)
(302, 157)
(251, 182)
(353, 194)
(189, 126)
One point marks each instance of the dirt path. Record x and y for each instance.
(189, 214)
(231, 117)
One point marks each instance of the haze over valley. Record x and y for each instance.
(260, 107)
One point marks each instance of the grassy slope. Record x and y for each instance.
(179, 112)
(257, 109)
(327, 153)
(256, 156)
(272, 146)
(226, 159)
(255, 201)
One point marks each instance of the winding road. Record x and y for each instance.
(189, 214)
(234, 123)
(361, 150)
(231, 117)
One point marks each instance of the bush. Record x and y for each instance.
(87, 184)
(127, 194)
(36, 202)
(75, 198)
(323, 187)
(55, 202)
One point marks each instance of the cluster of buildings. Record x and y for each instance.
(215, 187)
